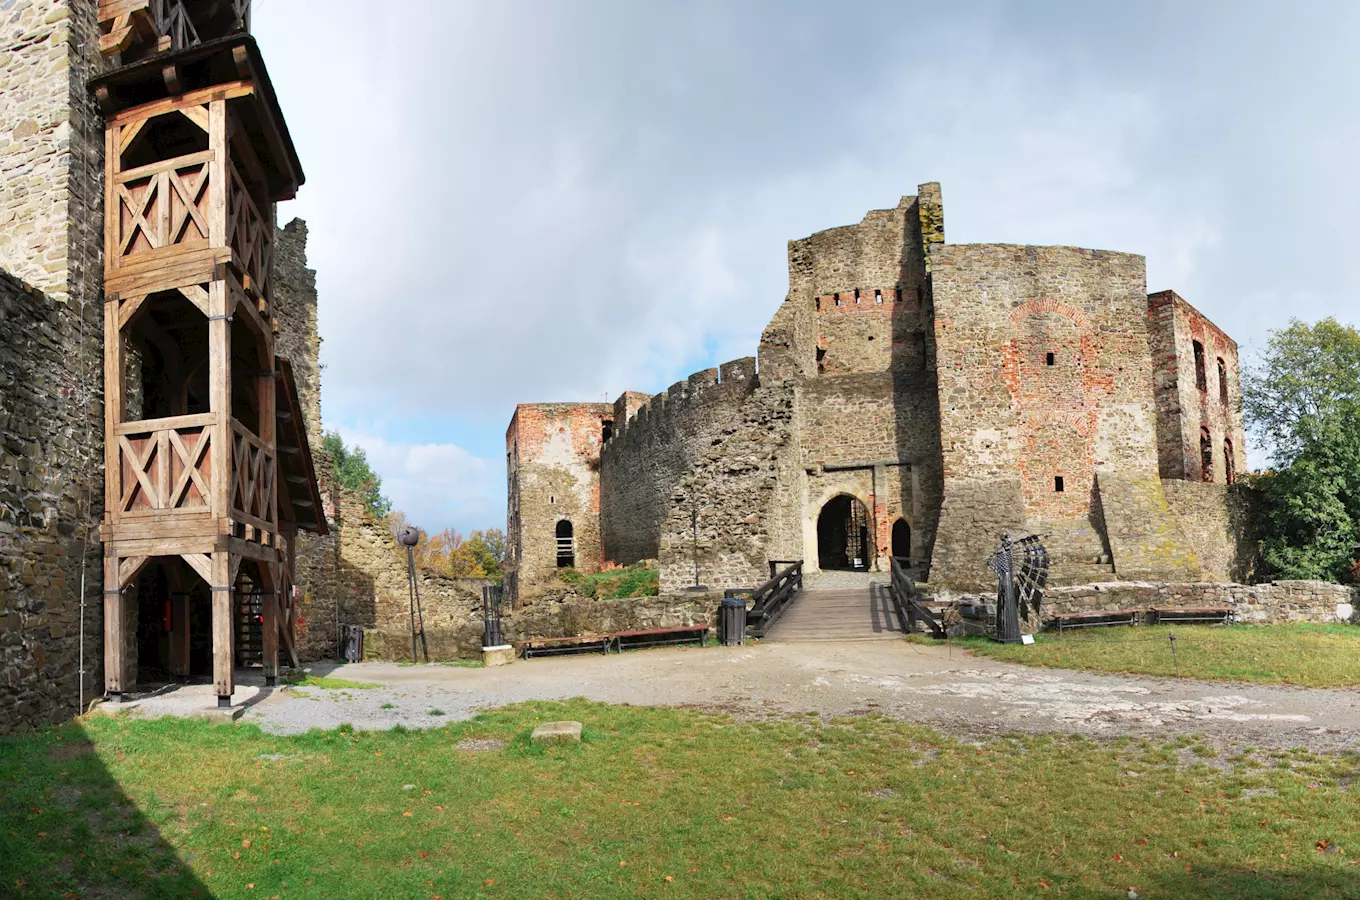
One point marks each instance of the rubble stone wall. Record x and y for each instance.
(567, 616)
(51, 148)
(51, 504)
(644, 462)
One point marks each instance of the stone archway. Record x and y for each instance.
(844, 535)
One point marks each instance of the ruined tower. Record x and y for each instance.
(208, 472)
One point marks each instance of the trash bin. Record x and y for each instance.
(732, 621)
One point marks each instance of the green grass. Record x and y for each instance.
(638, 580)
(662, 803)
(331, 684)
(1306, 655)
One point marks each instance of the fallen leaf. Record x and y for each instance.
(407, 814)
(246, 844)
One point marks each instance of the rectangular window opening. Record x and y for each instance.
(1058, 483)
(878, 295)
(1049, 359)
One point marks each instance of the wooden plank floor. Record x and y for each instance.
(838, 614)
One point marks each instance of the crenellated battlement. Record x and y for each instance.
(685, 401)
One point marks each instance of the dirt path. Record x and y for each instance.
(934, 685)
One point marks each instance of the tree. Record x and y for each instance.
(1303, 402)
(355, 475)
(1306, 373)
(480, 555)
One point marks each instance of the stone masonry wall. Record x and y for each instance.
(733, 484)
(553, 461)
(1042, 355)
(51, 504)
(1195, 398)
(51, 147)
(1273, 603)
(887, 426)
(1219, 524)
(650, 453)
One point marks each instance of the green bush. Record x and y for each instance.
(638, 580)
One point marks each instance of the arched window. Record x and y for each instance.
(566, 545)
(1201, 380)
(606, 430)
(1229, 462)
(1206, 455)
(1222, 381)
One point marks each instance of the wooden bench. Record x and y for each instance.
(658, 637)
(1096, 618)
(551, 646)
(1162, 615)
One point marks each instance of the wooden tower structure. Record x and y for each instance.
(208, 475)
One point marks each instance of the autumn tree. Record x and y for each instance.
(479, 555)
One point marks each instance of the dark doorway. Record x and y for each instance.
(901, 538)
(566, 545)
(174, 623)
(843, 535)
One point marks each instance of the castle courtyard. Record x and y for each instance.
(967, 696)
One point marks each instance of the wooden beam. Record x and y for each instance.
(231, 90)
(115, 675)
(224, 657)
(170, 423)
(128, 308)
(269, 626)
(200, 563)
(170, 75)
(129, 568)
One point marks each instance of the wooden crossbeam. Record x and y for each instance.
(200, 563)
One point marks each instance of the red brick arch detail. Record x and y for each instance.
(1042, 305)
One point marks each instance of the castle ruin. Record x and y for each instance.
(910, 398)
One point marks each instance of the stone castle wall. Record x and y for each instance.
(1043, 382)
(51, 504)
(1195, 395)
(709, 444)
(553, 453)
(51, 148)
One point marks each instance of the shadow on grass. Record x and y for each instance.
(67, 829)
(1213, 882)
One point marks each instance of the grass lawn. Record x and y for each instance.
(662, 803)
(1307, 655)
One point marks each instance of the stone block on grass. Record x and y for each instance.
(501, 655)
(556, 732)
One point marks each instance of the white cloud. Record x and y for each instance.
(541, 201)
(436, 485)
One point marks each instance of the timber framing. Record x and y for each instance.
(196, 155)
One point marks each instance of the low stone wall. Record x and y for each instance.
(451, 637)
(1275, 603)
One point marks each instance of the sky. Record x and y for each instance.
(530, 200)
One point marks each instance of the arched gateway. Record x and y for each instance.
(844, 539)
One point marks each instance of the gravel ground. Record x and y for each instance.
(930, 684)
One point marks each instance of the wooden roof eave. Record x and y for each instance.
(235, 57)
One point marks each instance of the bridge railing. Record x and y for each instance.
(769, 601)
(907, 599)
